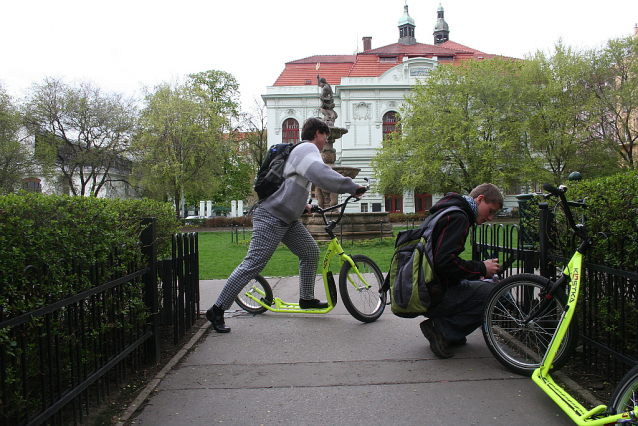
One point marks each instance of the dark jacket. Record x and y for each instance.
(449, 241)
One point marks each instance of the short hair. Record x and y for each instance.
(490, 192)
(310, 127)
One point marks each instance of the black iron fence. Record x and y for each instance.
(180, 285)
(607, 311)
(58, 361)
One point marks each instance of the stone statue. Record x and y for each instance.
(327, 102)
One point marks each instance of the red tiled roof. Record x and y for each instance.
(367, 64)
(303, 72)
(476, 54)
(410, 50)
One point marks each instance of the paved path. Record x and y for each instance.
(303, 369)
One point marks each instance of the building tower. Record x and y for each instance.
(441, 29)
(406, 27)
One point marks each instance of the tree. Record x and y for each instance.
(185, 152)
(253, 124)
(463, 126)
(558, 116)
(15, 159)
(86, 130)
(614, 81)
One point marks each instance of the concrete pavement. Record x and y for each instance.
(304, 369)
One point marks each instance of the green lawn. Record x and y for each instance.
(219, 256)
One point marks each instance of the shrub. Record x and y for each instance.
(224, 222)
(42, 236)
(402, 217)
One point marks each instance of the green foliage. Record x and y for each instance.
(183, 144)
(43, 237)
(614, 81)
(402, 217)
(16, 162)
(84, 132)
(55, 247)
(612, 209)
(559, 116)
(463, 126)
(516, 122)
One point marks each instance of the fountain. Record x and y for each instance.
(356, 226)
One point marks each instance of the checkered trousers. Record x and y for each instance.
(268, 232)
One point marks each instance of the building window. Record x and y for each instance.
(392, 59)
(364, 207)
(32, 185)
(422, 202)
(290, 133)
(389, 124)
(393, 203)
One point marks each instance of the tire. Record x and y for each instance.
(625, 396)
(247, 304)
(364, 303)
(521, 347)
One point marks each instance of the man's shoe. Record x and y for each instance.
(458, 342)
(313, 304)
(437, 342)
(216, 316)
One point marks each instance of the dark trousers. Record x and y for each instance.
(461, 310)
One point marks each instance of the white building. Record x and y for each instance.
(369, 88)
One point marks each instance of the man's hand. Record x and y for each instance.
(308, 207)
(491, 267)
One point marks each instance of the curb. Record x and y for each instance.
(576, 388)
(150, 387)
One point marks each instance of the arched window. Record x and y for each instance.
(422, 202)
(389, 124)
(393, 203)
(290, 131)
(32, 185)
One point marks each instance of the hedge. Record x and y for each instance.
(42, 235)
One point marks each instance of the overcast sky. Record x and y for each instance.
(123, 45)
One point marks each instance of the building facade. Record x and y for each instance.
(369, 89)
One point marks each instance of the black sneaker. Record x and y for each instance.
(216, 316)
(437, 342)
(313, 304)
(459, 342)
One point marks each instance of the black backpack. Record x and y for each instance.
(271, 173)
(413, 285)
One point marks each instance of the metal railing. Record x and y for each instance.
(607, 313)
(62, 359)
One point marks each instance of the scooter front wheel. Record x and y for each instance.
(518, 344)
(362, 298)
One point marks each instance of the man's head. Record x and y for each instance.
(489, 200)
(310, 128)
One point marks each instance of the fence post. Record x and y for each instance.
(544, 222)
(149, 249)
(167, 292)
(381, 230)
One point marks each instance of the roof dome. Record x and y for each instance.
(440, 25)
(406, 18)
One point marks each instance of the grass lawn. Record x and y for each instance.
(219, 256)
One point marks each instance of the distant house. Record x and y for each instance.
(117, 170)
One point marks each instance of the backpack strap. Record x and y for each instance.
(430, 228)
